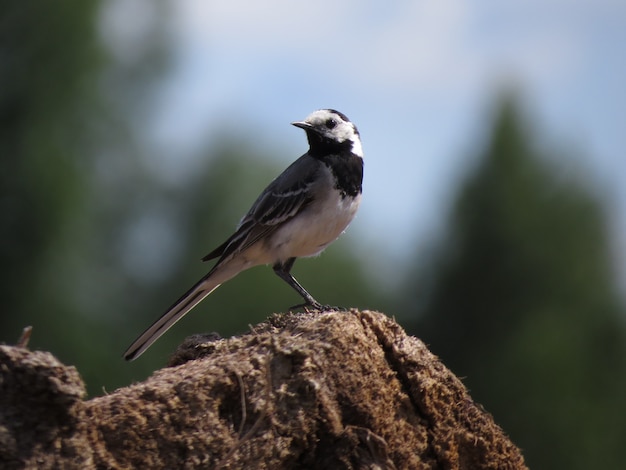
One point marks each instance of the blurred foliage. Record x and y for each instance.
(49, 60)
(70, 165)
(522, 305)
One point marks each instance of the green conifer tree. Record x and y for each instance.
(49, 59)
(523, 305)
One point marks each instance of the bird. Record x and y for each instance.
(300, 213)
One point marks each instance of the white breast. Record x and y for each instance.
(317, 226)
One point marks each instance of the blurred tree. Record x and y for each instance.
(522, 304)
(69, 163)
(48, 60)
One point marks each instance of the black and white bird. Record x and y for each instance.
(298, 215)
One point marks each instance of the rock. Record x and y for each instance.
(341, 390)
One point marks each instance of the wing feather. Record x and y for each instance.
(285, 197)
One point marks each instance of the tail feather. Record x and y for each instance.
(182, 306)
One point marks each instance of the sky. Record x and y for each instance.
(418, 78)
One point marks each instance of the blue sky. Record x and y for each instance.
(417, 77)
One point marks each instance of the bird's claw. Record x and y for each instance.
(309, 307)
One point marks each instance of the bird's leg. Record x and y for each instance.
(283, 271)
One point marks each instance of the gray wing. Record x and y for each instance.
(285, 197)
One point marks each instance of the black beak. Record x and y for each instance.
(302, 125)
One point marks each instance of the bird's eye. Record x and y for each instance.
(331, 123)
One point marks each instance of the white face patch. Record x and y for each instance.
(343, 131)
(357, 149)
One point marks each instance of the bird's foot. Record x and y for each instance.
(309, 307)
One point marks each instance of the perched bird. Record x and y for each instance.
(299, 214)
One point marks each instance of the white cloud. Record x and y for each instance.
(427, 46)
(125, 25)
(242, 24)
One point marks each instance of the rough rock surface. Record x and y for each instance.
(341, 390)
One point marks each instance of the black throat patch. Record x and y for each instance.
(348, 171)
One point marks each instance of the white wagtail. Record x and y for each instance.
(299, 214)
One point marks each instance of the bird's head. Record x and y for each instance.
(330, 131)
